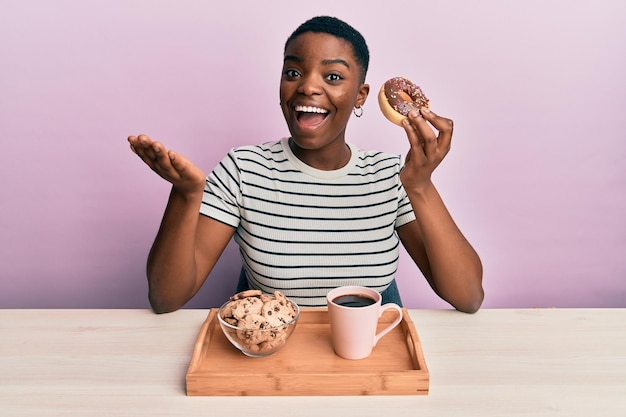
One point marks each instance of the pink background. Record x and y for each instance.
(536, 177)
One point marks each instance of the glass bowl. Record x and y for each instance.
(254, 336)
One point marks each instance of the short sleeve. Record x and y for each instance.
(405, 210)
(222, 192)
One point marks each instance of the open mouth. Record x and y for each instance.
(310, 116)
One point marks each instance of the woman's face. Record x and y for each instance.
(319, 87)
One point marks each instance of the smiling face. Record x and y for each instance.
(319, 87)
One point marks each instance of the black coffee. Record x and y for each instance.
(354, 300)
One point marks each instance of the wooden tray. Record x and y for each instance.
(307, 364)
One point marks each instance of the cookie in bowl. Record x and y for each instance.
(257, 323)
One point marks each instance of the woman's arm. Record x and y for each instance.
(188, 244)
(445, 257)
(447, 260)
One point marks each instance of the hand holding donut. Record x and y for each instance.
(404, 103)
(171, 166)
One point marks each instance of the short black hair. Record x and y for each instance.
(340, 29)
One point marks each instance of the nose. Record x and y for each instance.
(309, 85)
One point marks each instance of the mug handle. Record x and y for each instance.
(397, 321)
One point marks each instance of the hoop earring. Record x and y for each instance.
(358, 111)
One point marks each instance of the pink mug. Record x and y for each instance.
(353, 313)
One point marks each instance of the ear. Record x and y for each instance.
(364, 90)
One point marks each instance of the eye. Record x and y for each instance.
(334, 77)
(291, 73)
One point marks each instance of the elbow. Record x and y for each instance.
(164, 298)
(160, 309)
(469, 308)
(471, 304)
(473, 294)
(160, 305)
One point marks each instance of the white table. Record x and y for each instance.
(527, 362)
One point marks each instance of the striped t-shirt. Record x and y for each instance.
(305, 231)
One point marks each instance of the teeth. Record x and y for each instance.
(310, 109)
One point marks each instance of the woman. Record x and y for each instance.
(312, 212)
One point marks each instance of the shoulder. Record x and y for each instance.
(266, 148)
(374, 160)
(265, 152)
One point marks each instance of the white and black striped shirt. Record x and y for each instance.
(305, 231)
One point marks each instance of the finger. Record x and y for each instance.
(162, 160)
(152, 153)
(140, 144)
(428, 138)
(415, 140)
(443, 125)
(138, 148)
(186, 172)
(179, 163)
(430, 142)
(131, 140)
(135, 146)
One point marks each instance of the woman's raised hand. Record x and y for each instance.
(430, 137)
(185, 177)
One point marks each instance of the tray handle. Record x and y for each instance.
(200, 346)
(412, 340)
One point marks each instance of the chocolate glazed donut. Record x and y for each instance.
(398, 96)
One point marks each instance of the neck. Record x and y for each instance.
(332, 157)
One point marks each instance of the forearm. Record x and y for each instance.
(171, 266)
(454, 267)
